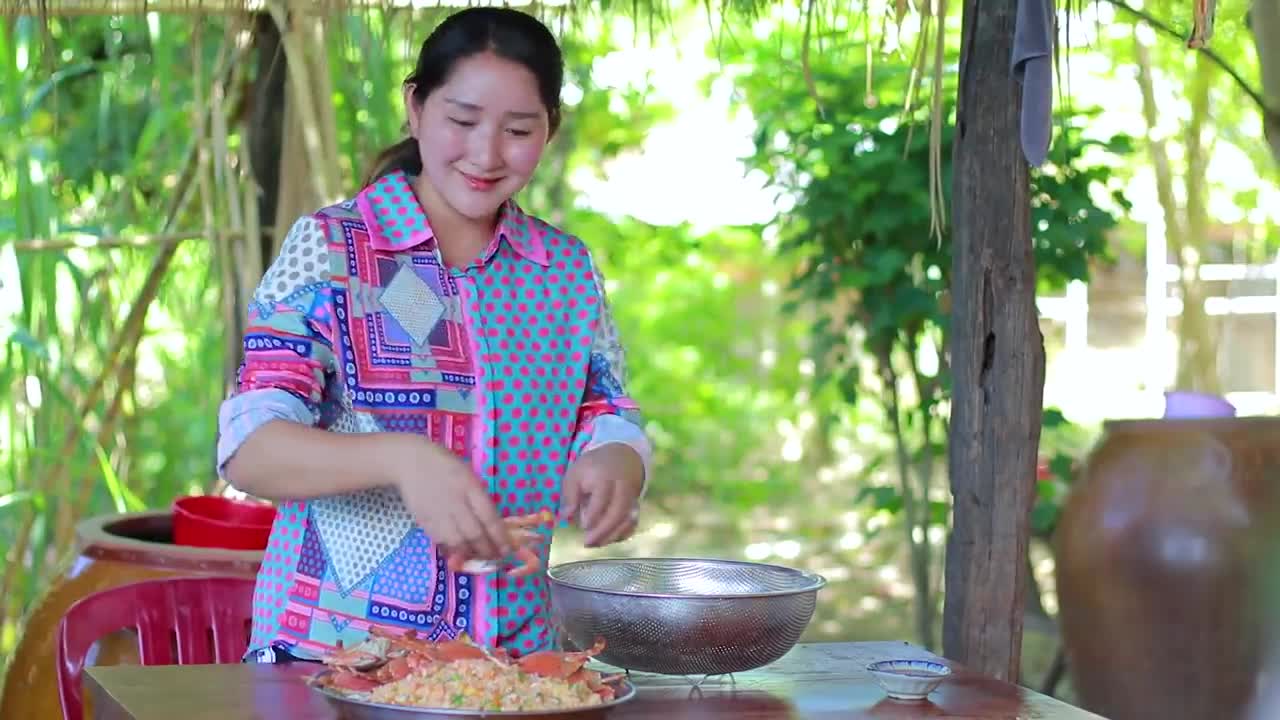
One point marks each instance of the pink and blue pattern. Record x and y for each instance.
(360, 327)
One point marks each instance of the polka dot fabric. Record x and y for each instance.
(532, 327)
(507, 381)
(279, 561)
(391, 202)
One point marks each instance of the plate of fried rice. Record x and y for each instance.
(469, 688)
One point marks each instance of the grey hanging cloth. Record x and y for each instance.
(1033, 35)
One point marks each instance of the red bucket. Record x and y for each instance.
(221, 522)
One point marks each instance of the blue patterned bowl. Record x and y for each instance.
(908, 679)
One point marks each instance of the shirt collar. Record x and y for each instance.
(397, 222)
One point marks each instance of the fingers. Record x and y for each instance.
(456, 511)
(470, 541)
(451, 545)
(628, 527)
(594, 512)
(459, 561)
(623, 530)
(460, 534)
(570, 496)
(449, 542)
(491, 533)
(619, 520)
(454, 559)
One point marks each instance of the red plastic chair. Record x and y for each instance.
(182, 621)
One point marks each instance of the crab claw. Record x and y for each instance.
(551, 663)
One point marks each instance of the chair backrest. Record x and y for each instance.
(181, 620)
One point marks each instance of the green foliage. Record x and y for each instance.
(1075, 201)
(603, 123)
(860, 230)
(1062, 446)
(104, 123)
(715, 360)
(107, 124)
(826, 329)
(855, 168)
(112, 128)
(695, 316)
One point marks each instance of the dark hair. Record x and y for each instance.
(509, 34)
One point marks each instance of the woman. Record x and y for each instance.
(425, 360)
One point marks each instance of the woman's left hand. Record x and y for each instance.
(604, 485)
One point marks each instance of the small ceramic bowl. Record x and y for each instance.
(908, 679)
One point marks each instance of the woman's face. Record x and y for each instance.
(481, 134)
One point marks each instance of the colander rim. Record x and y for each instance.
(814, 582)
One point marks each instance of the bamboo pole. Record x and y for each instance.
(309, 172)
(110, 242)
(122, 344)
(134, 324)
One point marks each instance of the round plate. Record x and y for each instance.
(353, 709)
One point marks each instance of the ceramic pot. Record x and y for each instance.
(1159, 567)
(111, 550)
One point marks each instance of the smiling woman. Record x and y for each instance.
(480, 134)
(426, 360)
(499, 100)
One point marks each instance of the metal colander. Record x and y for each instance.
(683, 616)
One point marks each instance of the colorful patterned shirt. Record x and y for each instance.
(512, 362)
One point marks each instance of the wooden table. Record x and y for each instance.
(823, 680)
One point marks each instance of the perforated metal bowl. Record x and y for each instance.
(683, 616)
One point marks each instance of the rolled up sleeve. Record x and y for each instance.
(243, 413)
(288, 343)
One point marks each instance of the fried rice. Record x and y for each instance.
(483, 685)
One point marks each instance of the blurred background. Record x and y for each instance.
(755, 183)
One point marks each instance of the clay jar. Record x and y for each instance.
(1160, 558)
(111, 550)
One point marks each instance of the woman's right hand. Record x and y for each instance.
(448, 501)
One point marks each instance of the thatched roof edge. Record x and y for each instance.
(56, 8)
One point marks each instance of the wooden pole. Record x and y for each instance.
(997, 355)
(265, 129)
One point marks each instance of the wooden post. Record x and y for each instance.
(266, 127)
(997, 355)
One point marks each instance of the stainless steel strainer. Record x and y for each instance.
(683, 616)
